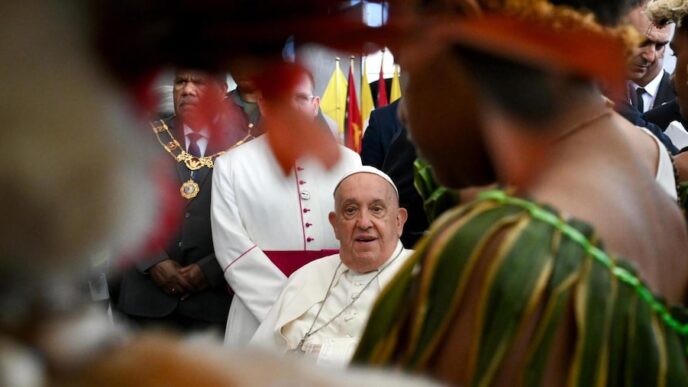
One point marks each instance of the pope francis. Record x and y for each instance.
(324, 307)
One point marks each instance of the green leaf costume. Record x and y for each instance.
(624, 335)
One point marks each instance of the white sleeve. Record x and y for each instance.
(267, 336)
(286, 310)
(248, 271)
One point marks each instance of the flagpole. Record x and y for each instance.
(382, 86)
(360, 84)
(363, 69)
(336, 93)
(349, 134)
(382, 58)
(352, 62)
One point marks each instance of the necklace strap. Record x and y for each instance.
(310, 331)
(585, 124)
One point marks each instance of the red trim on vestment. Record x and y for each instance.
(239, 257)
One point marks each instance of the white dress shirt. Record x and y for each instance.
(202, 142)
(651, 90)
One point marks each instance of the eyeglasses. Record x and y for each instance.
(303, 99)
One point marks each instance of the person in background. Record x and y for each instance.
(181, 286)
(245, 96)
(649, 85)
(386, 146)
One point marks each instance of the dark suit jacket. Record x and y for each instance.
(665, 92)
(386, 147)
(398, 164)
(636, 118)
(192, 243)
(383, 126)
(663, 115)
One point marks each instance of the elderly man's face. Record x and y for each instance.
(367, 221)
(647, 59)
(193, 89)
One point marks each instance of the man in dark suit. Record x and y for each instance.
(386, 146)
(649, 85)
(665, 91)
(383, 126)
(636, 118)
(182, 286)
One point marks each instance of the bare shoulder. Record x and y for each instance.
(642, 142)
(640, 223)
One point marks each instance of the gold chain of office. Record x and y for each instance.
(172, 146)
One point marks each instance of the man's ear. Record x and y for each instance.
(402, 216)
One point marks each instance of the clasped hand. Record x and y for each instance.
(177, 280)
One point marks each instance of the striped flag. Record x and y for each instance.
(395, 92)
(367, 104)
(333, 102)
(381, 89)
(354, 130)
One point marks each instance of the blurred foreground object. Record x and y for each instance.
(172, 363)
(136, 40)
(72, 155)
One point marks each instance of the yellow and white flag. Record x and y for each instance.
(367, 104)
(333, 102)
(395, 93)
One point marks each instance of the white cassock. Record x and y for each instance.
(306, 292)
(266, 224)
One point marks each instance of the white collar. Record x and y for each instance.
(387, 274)
(653, 86)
